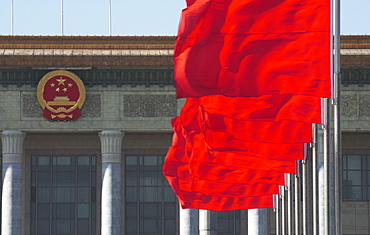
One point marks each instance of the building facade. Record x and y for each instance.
(101, 173)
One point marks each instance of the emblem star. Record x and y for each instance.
(70, 84)
(52, 85)
(57, 89)
(61, 81)
(65, 89)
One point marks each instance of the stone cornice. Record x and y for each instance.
(88, 42)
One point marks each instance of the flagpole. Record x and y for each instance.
(110, 17)
(61, 18)
(277, 213)
(288, 184)
(304, 198)
(337, 124)
(325, 184)
(315, 206)
(283, 210)
(11, 18)
(297, 199)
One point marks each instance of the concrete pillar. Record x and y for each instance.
(189, 221)
(11, 211)
(258, 222)
(111, 144)
(244, 222)
(207, 222)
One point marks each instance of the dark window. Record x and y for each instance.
(228, 222)
(63, 195)
(151, 206)
(356, 177)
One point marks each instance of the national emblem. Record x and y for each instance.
(61, 94)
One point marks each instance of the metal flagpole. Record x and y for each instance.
(12, 18)
(61, 17)
(297, 200)
(304, 197)
(283, 210)
(337, 124)
(315, 205)
(110, 17)
(277, 213)
(288, 184)
(325, 185)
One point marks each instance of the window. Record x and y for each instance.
(151, 205)
(356, 177)
(63, 195)
(228, 222)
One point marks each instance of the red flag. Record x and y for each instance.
(253, 48)
(178, 175)
(264, 108)
(253, 72)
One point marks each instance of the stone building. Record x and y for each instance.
(101, 173)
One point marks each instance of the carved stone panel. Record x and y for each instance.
(364, 105)
(31, 107)
(150, 106)
(92, 106)
(349, 105)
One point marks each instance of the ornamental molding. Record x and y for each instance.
(149, 106)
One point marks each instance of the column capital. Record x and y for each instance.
(12, 142)
(111, 144)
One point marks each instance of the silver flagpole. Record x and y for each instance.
(325, 219)
(61, 17)
(110, 17)
(277, 213)
(288, 180)
(315, 204)
(12, 18)
(337, 119)
(304, 198)
(297, 200)
(283, 210)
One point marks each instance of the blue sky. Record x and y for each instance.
(134, 17)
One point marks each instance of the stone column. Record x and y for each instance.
(207, 222)
(11, 210)
(258, 222)
(111, 143)
(189, 221)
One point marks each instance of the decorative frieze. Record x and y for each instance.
(349, 105)
(364, 105)
(92, 106)
(31, 107)
(150, 106)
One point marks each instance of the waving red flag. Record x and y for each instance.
(253, 73)
(253, 48)
(264, 108)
